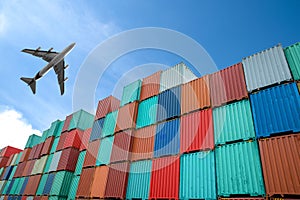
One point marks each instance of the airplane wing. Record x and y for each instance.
(45, 55)
(60, 72)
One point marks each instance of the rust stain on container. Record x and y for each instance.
(195, 95)
(280, 162)
(91, 154)
(228, 85)
(127, 116)
(150, 86)
(121, 150)
(47, 146)
(99, 182)
(107, 105)
(85, 137)
(85, 182)
(68, 160)
(196, 131)
(143, 143)
(117, 180)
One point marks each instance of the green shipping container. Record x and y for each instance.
(14, 187)
(56, 198)
(19, 186)
(139, 180)
(42, 184)
(239, 170)
(80, 162)
(18, 159)
(292, 54)
(147, 112)
(56, 128)
(73, 188)
(109, 124)
(233, 122)
(103, 157)
(32, 141)
(54, 145)
(61, 184)
(81, 120)
(48, 163)
(131, 92)
(44, 135)
(198, 176)
(4, 191)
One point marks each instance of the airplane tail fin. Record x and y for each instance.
(31, 82)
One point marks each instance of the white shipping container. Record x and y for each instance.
(54, 162)
(39, 165)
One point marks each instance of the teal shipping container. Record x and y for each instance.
(292, 54)
(139, 180)
(13, 190)
(54, 145)
(131, 92)
(80, 162)
(103, 157)
(19, 186)
(198, 176)
(233, 122)
(55, 128)
(48, 163)
(147, 112)
(239, 170)
(81, 120)
(44, 135)
(73, 188)
(61, 184)
(32, 141)
(109, 124)
(42, 184)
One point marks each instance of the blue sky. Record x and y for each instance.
(228, 30)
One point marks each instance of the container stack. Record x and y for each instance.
(229, 135)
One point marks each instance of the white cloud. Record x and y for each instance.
(14, 129)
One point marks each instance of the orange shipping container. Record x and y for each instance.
(85, 182)
(280, 162)
(195, 95)
(107, 105)
(150, 86)
(99, 182)
(143, 143)
(121, 150)
(32, 185)
(25, 155)
(91, 154)
(127, 117)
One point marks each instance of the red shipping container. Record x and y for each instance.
(10, 158)
(143, 143)
(91, 154)
(85, 182)
(62, 138)
(20, 169)
(121, 150)
(25, 155)
(127, 116)
(67, 123)
(150, 86)
(196, 131)
(47, 146)
(228, 85)
(3, 161)
(68, 160)
(117, 180)
(28, 168)
(107, 105)
(85, 137)
(72, 139)
(8, 151)
(165, 178)
(32, 185)
(37, 153)
(32, 152)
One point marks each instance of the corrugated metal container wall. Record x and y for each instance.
(147, 112)
(73, 139)
(292, 54)
(96, 130)
(165, 178)
(73, 188)
(197, 176)
(239, 170)
(127, 116)
(103, 156)
(233, 122)
(107, 105)
(117, 180)
(85, 183)
(195, 95)
(175, 76)
(228, 85)
(55, 128)
(8, 151)
(196, 131)
(61, 183)
(167, 138)
(42, 185)
(25, 155)
(280, 162)
(99, 182)
(38, 151)
(54, 145)
(3, 161)
(109, 124)
(47, 146)
(266, 68)
(85, 137)
(276, 110)
(139, 180)
(48, 184)
(48, 163)
(143, 143)
(68, 160)
(131, 92)
(150, 86)
(67, 123)
(39, 165)
(61, 142)
(32, 141)
(121, 150)
(55, 161)
(81, 120)
(91, 154)
(244, 198)
(32, 185)
(169, 104)
(80, 162)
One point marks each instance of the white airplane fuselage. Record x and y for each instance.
(58, 58)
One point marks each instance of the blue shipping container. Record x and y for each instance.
(7, 172)
(167, 138)
(97, 129)
(48, 184)
(169, 104)
(24, 185)
(276, 110)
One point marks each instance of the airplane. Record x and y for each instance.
(55, 60)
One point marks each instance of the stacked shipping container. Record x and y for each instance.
(234, 133)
